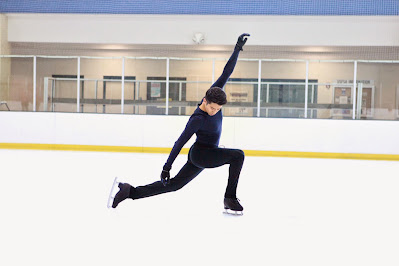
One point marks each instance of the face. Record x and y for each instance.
(212, 108)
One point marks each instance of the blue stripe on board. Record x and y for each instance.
(205, 7)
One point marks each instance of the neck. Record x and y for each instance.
(202, 107)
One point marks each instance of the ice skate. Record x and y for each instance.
(123, 193)
(232, 206)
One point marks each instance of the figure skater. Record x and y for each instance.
(206, 123)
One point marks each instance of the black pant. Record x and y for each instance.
(199, 157)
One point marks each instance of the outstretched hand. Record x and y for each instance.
(242, 39)
(165, 177)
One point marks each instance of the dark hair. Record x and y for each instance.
(216, 95)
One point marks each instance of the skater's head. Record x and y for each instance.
(214, 98)
(215, 95)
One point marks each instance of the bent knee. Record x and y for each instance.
(240, 154)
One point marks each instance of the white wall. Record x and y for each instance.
(342, 136)
(218, 30)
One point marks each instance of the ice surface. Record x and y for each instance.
(296, 212)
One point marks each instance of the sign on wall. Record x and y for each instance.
(155, 89)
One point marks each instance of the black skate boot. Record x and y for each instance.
(233, 204)
(123, 193)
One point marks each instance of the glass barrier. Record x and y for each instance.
(241, 89)
(102, 85)
(56, 84)
(16, 91)
(149, 89)
(330, 90)
(5, 72)
(188, 82)
(378, 92)
(282, 92)
(279, 93)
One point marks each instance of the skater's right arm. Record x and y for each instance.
(231, 63)
(193, 125)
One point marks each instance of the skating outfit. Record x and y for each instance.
(204, 153)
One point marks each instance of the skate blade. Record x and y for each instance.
(111, 196)
(234, 213)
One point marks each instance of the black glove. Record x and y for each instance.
(165, 177)
(241, 41)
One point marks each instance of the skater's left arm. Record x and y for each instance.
(193, 125)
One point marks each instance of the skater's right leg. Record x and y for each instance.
(185, 175)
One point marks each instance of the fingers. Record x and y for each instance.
(165, 181)
(244, 35)
(165, 177)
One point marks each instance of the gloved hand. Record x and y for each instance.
(165, 177)
(241, 41)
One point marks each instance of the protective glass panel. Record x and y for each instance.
(282, 92)
(241, 88)
(188, 82)
(103, 85)
(331, 88)
(57, 84)
(378, 91)
(151, 82)
(16, 84)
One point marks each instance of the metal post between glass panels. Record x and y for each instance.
(78, 88)
(52, 94)
(267, 98)
(95, 92)
(34, 84)
(123, 85)
(306, 89)
(354, 89)
(45, 94)
(259, 87)
(167, 87)
(312, 101)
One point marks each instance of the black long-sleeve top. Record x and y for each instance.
(207, 128)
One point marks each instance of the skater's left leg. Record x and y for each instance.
(185, 175)
(123, 193)
(215, 157)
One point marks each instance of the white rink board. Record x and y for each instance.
(268, 134)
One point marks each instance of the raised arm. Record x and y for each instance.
(230, 65)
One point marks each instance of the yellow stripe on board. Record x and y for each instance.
(324, 155)
(290, 154)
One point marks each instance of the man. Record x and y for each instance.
(206, 123)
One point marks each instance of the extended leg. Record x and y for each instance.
(185, 175)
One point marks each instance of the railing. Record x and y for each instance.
(260, 107)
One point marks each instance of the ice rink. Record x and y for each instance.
(297, 212)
